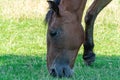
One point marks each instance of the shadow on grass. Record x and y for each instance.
(34, 68)
(104, 68)
(101, 60)
(22, 67)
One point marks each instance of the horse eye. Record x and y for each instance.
(55, 32)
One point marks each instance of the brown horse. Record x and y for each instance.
(65, 34)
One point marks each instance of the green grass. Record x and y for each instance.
(23, 44)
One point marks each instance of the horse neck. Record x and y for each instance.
(75, 6)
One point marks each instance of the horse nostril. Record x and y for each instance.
(53, 33)
(66, 72)
(63, 71)
(53, 72)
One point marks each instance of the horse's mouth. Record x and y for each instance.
(61, 71)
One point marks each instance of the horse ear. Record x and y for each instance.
(54, 7)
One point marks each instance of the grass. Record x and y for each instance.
(23, 43)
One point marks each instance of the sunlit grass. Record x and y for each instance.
(107, 30)
(26, 36)
(23, 43)
(23, 8)
(22, 27)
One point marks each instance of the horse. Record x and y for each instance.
(65, 34)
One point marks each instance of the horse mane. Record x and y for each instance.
(50, 12)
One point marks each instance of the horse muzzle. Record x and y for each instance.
(58, 70)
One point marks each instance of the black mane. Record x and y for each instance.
(50, 12)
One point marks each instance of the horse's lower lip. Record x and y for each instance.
(63, 71)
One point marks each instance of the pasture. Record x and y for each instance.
(23, 43)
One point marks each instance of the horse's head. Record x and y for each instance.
(64, 38)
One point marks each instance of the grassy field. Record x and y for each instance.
(23, 43)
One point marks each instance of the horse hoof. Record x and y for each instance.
(89, 58)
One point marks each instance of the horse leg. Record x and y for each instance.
(92, 12)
